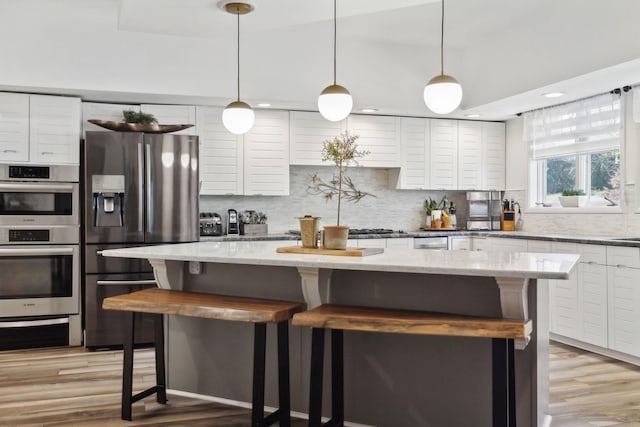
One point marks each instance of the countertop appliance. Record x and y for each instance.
(233, 226)
(485, 208)
(39, 256)
(210, 224)
(138, 189)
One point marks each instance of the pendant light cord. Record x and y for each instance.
(442, 41)
(335, 37)
(238, 15)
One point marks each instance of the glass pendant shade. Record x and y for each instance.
(442, 94)
(238, 117)
(335, 103)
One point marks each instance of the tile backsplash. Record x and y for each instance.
(395, 209)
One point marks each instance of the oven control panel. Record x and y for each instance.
(33, 172)
(29, 235)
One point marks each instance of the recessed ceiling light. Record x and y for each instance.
(553, 94)
(472, 116)
(264, 104)
(368, 110)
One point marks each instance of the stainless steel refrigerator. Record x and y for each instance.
(139, 189)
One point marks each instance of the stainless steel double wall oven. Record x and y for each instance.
(39, 256)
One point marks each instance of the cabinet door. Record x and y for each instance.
(460, 243)
(266, 155)
(307, 131)
(565, 306)
(221, 154)
(539, 246)
(54, 129)
(414, 145)
(14, 127)
(380, 135)
(480, 243)
(372, 243)
(624, 309)
(400, 242)
(174, 115)
(493, 156)
(470, 155)
(443, 155)
(100, 111)
(506, 244)
(593, 302)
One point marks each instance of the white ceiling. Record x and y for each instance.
(505, 53)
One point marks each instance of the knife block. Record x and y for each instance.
(508, 221)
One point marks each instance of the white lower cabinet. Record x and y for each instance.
(624, 299)
(507, 244)
(459, 243)
(399, 242)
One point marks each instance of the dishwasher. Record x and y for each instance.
(435, 242)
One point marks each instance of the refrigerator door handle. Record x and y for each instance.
(148, 190)
(141, 186)
(126, 282)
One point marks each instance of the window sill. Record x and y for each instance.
(572, 211)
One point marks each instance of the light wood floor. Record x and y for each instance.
(74, 387)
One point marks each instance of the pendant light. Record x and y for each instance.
(238, 116)
(443, 93)
(335, 102)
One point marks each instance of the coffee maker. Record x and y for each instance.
(233, 227)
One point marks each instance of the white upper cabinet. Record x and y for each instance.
(414, 161)
(266, 155)
(102, 111)
(221, 154)
(173, 115)
(14, 127)
(470, 153)
(307, 131)
(443, 155)
(380, 135)
(54, 129)
(493, 156)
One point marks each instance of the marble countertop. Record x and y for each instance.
(465, 263)
(595, 240)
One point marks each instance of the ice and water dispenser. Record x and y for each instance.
(108, 198)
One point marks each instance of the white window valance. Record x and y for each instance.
(586, 126)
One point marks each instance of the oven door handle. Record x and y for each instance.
(126, 282)
(35, 251)
(25, 187)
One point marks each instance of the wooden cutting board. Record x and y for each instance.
(322, 251)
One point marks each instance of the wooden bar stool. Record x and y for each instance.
(341, 318)
(192, 304)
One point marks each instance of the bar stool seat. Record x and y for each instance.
(240, 309)
(339, 318)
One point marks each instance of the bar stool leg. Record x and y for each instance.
(161, 382)
(127, 370)
(317, 365)
(337, 378)
(260, 340)
(500, 383)
(284, 392)
(511, 374)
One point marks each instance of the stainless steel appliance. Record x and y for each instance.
(432, 243)
(35, 195)
(210, 224)
(233, 227)
(484, 209)
(39, 256)
(138, 189)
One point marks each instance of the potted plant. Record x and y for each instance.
(342, 151)
(572, 198)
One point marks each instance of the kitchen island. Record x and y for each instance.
(390, 379)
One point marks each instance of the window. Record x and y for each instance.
(576, 146)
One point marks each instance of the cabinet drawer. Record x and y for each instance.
(593, 254)
(623, 256)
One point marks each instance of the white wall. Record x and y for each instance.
(626, 223)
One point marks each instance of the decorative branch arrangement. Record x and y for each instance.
(342, 151)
